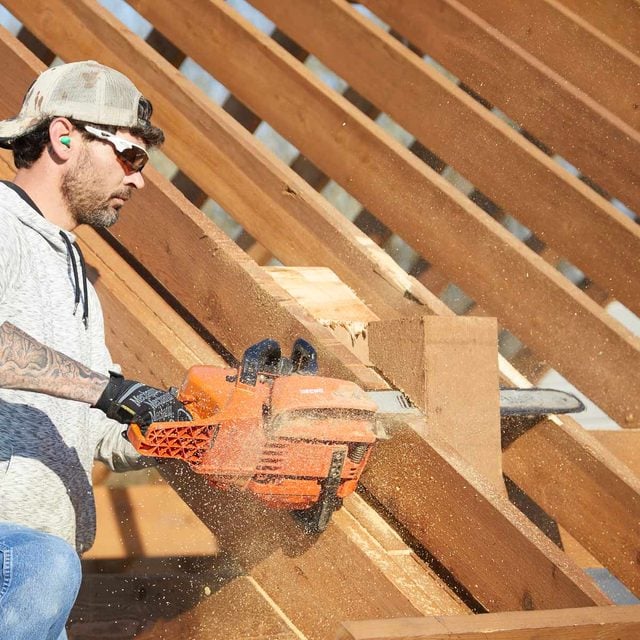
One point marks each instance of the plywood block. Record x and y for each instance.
(329, 301)
(604, 623)
(449, 368)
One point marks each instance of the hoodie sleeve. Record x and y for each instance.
(115, 451)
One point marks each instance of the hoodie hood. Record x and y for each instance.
(63, 242)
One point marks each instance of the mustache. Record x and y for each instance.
(123, 194)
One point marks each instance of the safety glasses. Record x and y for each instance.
(132, 156)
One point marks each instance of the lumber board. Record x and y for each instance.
(433, 595)
(604, 623)
(228, 268)
(625, 445)
(619, 19)
(568, 44)
(148, 607)
(565, 119)
(148, 521)
(479, 254)
(273, 204)
(469, 137)
(470, 506)
(315, 581)
(428, 596)
(598, 478)
(141, 329)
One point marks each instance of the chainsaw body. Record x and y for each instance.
(272, 427)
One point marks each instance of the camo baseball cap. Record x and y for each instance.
(87, 91)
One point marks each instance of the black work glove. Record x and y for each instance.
(129, 401)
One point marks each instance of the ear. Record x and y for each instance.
(62, 134)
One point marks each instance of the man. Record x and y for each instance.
(79, 143)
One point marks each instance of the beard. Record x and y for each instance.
(85, 197)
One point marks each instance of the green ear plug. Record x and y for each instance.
(66, 141)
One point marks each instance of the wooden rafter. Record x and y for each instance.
(495, 158)
(590, 137)
(619, 19)
(573, 48)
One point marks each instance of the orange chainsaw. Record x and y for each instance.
(295, 440)
(273, 427)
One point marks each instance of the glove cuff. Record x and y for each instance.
(110, 392)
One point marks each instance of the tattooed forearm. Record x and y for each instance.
(29, 365)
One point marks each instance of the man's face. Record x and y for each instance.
(96, 187)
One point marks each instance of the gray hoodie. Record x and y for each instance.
(47, 445)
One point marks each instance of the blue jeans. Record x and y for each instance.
(40, 575)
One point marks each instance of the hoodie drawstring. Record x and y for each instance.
(76, 280)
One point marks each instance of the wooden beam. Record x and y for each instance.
(377, 538)
(209, 301)
(204, 605)
(624, 445)
(619, 19)
(480, 255)
(155, 342)
(568, 44)
(407, 459)
(605, 623)
(572, 477)
(471, 139)
(537, 98)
